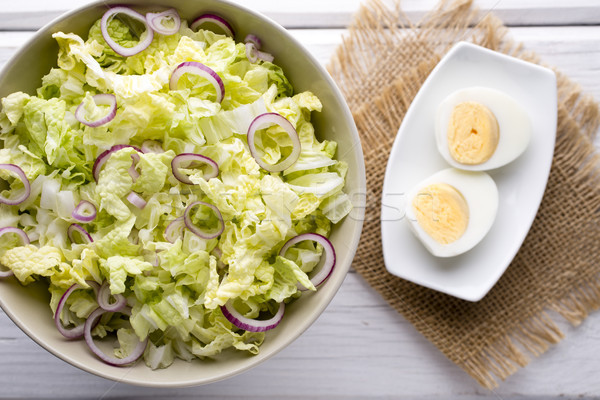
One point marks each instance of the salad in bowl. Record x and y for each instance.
(166, 183)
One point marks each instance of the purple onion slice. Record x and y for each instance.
(157, 21)
(104, 299)
(174, 230)
(125, 51)
(136, 200)
(84, 212)
(214, 19)
(103, 99)
(21, 197)
(268, 57)
(87, 334)
(24, 239)
(196, 68)
(77, 331)
(263, 121)
(103, 157)
(252, 325)
(187, 218)
(255, 40)
(133, 172)
(75, 230)
(181, 160)
(251, 52)
(330, 256)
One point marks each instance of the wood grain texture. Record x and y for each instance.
(32, 14)
(359, 348)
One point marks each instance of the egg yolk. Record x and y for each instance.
(472, 133)
(442, 212)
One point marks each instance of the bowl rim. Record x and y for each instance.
(358, 211)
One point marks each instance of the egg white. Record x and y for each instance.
(513, 122)
(480, 193)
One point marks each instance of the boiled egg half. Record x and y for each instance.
(479, 128)
(452, 210)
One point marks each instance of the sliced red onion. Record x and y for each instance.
(104, 299)
(24, 239)
(152, 146)
(252, 325)
(75, 332)
(214, 19)
(268, 57)
(261, 122)
(175, 230)
(84, 212)
(87, 333)
(103, 157)
(251, 52)
(103, 99)
(94, 285)
(136, 200)
(23, 178)
(76, 228)
(197, 231)
(196, 68)
(218, 254)
(180, 160)
(152, 258)
(255, 40)
(135, 158)
(330, 256)
(125, 51)
(156, 20)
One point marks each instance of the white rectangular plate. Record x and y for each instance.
(521, 184)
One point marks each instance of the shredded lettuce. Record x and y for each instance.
(176, 304)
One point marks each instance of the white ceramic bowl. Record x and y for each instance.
(29, 307)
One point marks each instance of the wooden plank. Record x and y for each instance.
(32, 14)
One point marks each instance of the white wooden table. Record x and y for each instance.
(359, 348)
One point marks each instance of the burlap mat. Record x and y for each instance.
(380, 67)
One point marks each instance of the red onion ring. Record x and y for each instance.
(252, 325)
(155, 21)
(251, 52)
(196, 68)
(104, 297)
(103, 99)
(261, 122)
(23, 178)
(87, 333)
(176, 165)
(77, 331)
(152, 258)
(152, 146)
(81, 230)
(174, 230)
(250, 38)
(330, 257)
(84, 212)
(103, 157)
(215, 19)
(125, 51)
(24, 239)
(195, 230)
(135, 158)
(136, 200)
(268, 57)
(218, 254)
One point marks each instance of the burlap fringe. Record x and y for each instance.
(362, 68)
